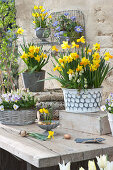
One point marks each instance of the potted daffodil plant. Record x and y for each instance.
(41, 21)
(46, 120)
(35, 59)
(81, 73)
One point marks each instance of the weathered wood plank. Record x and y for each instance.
(94, 123)
(51, 152)
(28, 150)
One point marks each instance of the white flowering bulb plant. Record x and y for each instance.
(102, 163)
(17, 100)
(109, 104)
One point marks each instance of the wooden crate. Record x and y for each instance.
(95, 123)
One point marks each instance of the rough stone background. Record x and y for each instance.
(98, 21)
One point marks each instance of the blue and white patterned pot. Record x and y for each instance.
(83, 101)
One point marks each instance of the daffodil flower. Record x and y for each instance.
(20, 31)
(51, 133)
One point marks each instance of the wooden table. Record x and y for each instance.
(51, 152)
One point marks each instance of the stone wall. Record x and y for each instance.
(98, 22)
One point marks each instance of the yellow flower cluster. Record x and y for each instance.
(93, 63)
(34, 52)
(40, 13)
(44, 111)
(20, 31)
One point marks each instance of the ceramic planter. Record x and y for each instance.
(110, 118)
(42, 33)
(30, 81)
(17, 117)
(83, 101)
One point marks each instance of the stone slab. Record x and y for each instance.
(95, 123)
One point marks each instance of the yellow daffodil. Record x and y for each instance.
(62, 65)
(51, 133)
(31, 55)
(45, 111)
(96, 46)
(37, 14)
(70, 71)
(82, 40)
(41, 110)
(20, 31)
(33, 14)
(32, 49)
(57, 68)
(96, 55)
(54, 48)
(40, 7)
(44, 55)
(93, 67)
(96, 63)
(106, 58)
(88, 50)
(42, 10)
(74, 45)
(69, 59)
(37, 49)
(24, 55)
(65, 45)
(108, 55)
(37, 58)
(34, 22)
(35, 7)
(79, 68)
(60, 60)
(50, 16)
(84, 62)
(74, 56)
(65, 59)
(42, 18)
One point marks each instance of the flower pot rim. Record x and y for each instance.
(81, 89)
(34, 71)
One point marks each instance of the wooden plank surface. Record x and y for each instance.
(51, 152)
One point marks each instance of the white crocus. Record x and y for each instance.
(91, 165)
(103, 108)
(64, 167)
(109, 108)
(102, 161)
(109, 166)
(1, 108)
(15, 107)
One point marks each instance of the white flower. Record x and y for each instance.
(15, 107)
(0, 101)
(64, 167)
(103, 108)
(109, 166)
(112, 105)
(78, 81)
(4, 95)
(91, 165)
(102, 161)
(109, 108)
(81, 168)
(1, 108)
(7, 99)
(71, 76)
